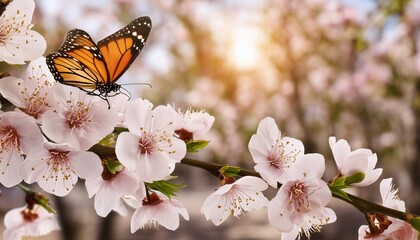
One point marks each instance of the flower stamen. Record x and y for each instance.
(147, 143)
(77, 116)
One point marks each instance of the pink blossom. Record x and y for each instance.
(193, 124)
(235, 198)
(351, 162)
(149, 148)
(79, 120)
(22, 222)
(19, 134)
(272, 154)
(32, 95)
(18, 42)
(57, 167)
(299, 205)
(396, 228)
(158, 210)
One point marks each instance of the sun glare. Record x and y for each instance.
(245, 50)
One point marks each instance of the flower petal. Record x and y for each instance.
(340, 150)
(138, 116)
(268, 129)
(10, 163)
(105, 200)
(86, 164)
(127, 150)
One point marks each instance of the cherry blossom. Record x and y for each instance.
(389, 227)
(18, 43)
(272, 154)
(235, 198)
(79, 120)
(194, 124)
(110, 188)
(158, 210)
(19, 134)
(56, 167)
(351, 162)
(32, 95)
(149, 148)
(22, 222)
(299, 205)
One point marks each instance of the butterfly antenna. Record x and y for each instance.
(126, 93)
(107, 101)
(148, 84)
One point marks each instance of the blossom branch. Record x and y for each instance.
(362, 205)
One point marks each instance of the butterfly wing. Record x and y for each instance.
(121, 48)
(78, 62)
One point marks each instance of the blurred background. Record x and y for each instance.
(321, 68)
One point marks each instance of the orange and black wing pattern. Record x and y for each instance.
(121, 48)
(78, 62)
(95, 68)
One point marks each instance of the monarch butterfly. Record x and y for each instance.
(95, 68)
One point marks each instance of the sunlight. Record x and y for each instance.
(245, 51)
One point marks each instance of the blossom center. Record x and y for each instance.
(275, 158)
(36, 104)
(59, 162)
(147, 143)
(4, 31)
(151, 199)
(77, 117)
(59, 156)
(28, 215)
(9, 137)
(298, 197)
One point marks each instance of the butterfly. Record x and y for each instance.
(95, 68)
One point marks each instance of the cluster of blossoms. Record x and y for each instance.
(48, 139)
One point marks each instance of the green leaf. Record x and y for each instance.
(114, 166)
(340, 193)
(355, 178)
(120, 130)
(195, 146)
(229, 171)
(415, 223)
(109, 140)
(339, 183)
(166, 188)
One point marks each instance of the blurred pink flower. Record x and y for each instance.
(79, 120)
(351, 162)
(396, 228)
(412, 11)
(32, 95)
(22, 223)
(19, 134)
(158, 210)
(149, 148)
(18, 43)
(272, 154)
(56, 167)
(300, 202)
(235, 198)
